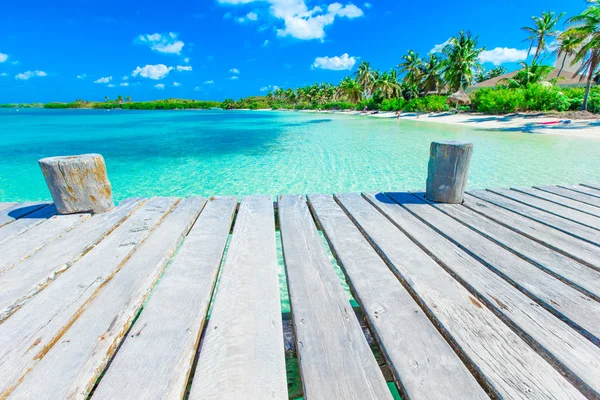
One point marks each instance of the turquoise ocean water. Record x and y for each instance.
(185, 153)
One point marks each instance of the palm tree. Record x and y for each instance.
(542, 29)
(128, 98)
(586, 29)
(462, 60)
(351, 89)
(528, 74)
(120, 99)
(568, 45)
(411, 67)
(105, 98)
(432, 74)
(364, 76)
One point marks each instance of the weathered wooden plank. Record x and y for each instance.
(585, 189)
(4, 205)
(550, 207)
(25, 245)
(28, 334)
(16, 228)
(572, 194)
(20, 283)
(509, 366)
(242, 354)
(335, 359)
(156, 358)
(70, 368)
(572, 306)
(554, 340)
(504, 361)
(594, 186)
(423, 363)
(19, 210)
(561, 200)
(557, 264)
(557, 240)
(575, 229)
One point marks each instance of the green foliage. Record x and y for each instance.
(393, 104)
(497, 101)
(427, 104)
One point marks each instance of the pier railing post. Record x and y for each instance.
(78, 183)
(448, 171)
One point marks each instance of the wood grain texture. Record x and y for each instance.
(572, 192)
(71, 367)
(574, 229)
(550, 207)
(242, 354)
(7, 204)
(335, 359)
(577, 357)
(570, 305)
(594, 186)
(32, 275)
(448, 171)
(561, 200)
(19, 210)
(18, 248)
(22, 225)
(78, 183)
(507, 363)
(34, 329)
(424, 365)
(553, 262)
(156, 358)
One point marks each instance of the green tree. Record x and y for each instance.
(351, 90)
(462, 60)
(568, 46)
(364, 76)
(412, 68)
(432, 74)
(542, 29)
(529, 74)
(585, 28)
(128, 98)
(120, 99)
(105, 98)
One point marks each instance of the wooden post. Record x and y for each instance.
(78, 183)
(448, 171)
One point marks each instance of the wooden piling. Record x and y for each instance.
(448, 171)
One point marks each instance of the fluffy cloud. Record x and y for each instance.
(111, 85)
(344, 62)
(303, 23)
(176, 84)
(266, 43)
(209, 82)
(186, 60)
(252, 16)
(124, 78)
(233, 78)
(3, 57)
(234, 71)
(159, 86)
(82, 76)
(269, 88)
(105, 79)
(368, 5)
(4, 74)
(439, 47)
(181, 68)
(125, 84)
(501, 55)
(162, 43)
(156, 72)
(30, 74)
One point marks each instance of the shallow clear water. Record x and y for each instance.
(240, 152)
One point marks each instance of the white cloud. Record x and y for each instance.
(181, 68)
(368, 5)
(344, 62)
(266, 43)
(105, 79)
(82, 76)
(124, 78)
(156, 72)
(4, 74)
(125, 84)
(159, 86)
(3, 57)
(233, 78)
(162, 43)
(303, 23)
(234, 71)
(197, 89)
(186, 60)
(252, 16)
(209, 82)
(501, 55)
(269, 88)
(176, 84)
(111, 85)
(439, 47)
(30, 74)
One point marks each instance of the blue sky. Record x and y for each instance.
(214, 49)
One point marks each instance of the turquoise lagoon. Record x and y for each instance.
(183, 153)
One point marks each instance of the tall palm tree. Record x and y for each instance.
(586, 29)
(411, 67)
(351, 89)
(105, 98)
(432, 74)
(120, 99)
(528, 74)
(128, 98)
(462, 60)
(364, 76)
(568, 46)
(542, 29)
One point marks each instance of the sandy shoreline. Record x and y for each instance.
(526, 123)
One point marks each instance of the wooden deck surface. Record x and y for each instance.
(169, 298)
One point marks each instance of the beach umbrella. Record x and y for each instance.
(459, 98)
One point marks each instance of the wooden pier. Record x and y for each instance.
(168, 298)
